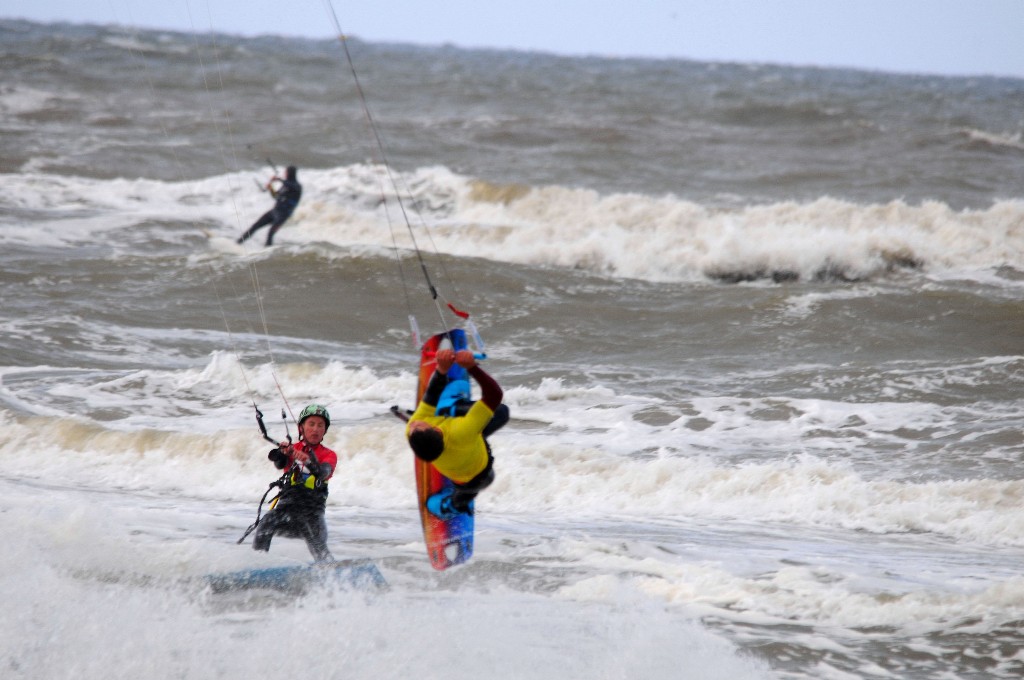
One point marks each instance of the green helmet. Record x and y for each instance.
(316, 410)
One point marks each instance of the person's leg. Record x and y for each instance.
(498, 420)
(463, 494)
(267, 218)
(266, 529)
(316, 538)
(281, 216)
(273, 230)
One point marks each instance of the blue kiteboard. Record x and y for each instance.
(356, 574)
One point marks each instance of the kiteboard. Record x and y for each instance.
(223, 244)
(359, 574)
(449, 542)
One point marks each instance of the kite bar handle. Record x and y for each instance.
(480, 356)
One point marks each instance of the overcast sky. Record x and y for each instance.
(951, 37)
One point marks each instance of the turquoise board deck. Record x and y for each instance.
(360, 574)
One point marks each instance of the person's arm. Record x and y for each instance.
(321, 471)
(278, 458)
(491, 392)
(435, 388)
(306, 454)
(444, 359)
(271, 188)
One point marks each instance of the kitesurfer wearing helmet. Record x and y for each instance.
(287, 195)
(298, 511)
(456, 444)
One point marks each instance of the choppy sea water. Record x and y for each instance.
(760, 329)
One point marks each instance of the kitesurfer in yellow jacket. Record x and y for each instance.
(456, 444)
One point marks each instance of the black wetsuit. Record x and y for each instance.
(298, 513)
(287, 195)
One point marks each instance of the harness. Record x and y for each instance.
(278, 484)
(305, 479)
(294, 476)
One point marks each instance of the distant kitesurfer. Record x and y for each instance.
(299, 508)
(456, 444)
(287, 195)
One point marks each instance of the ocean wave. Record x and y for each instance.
(671, 239)
(624, 235)
(579, 450)
(993, 140)
(537, 477)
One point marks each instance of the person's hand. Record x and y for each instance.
(287, 449)
(445, 358)
(465, 358)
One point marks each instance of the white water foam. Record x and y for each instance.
(620, 235)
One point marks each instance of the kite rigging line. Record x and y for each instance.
(223, 130)
(385, 163)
